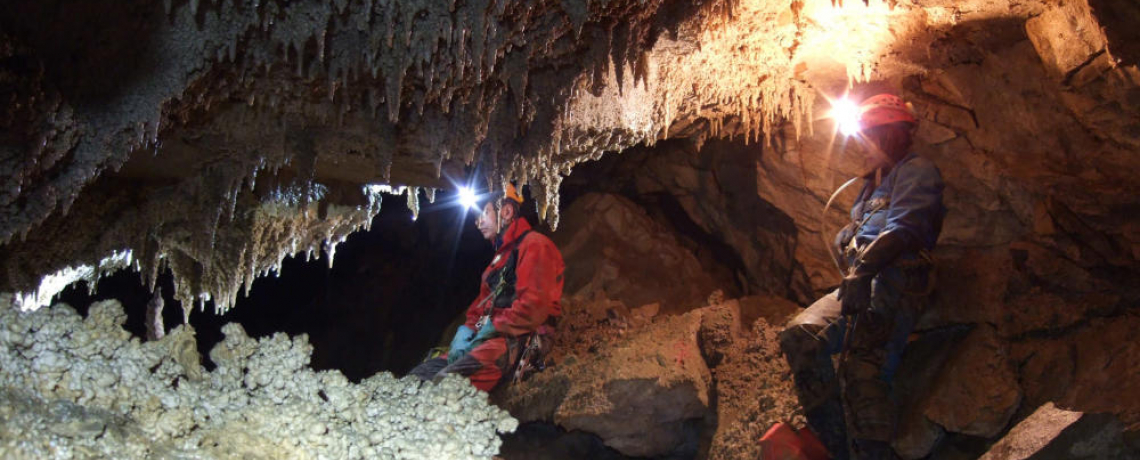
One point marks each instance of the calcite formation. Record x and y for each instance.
(77, 387)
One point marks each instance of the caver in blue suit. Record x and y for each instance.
(895, 222)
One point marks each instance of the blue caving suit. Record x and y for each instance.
(909, 200)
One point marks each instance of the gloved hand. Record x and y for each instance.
(843, 238)
(461, 344)
(485, 332)
(855, 294)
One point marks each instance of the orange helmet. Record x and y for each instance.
(509, 192)
(884, 109)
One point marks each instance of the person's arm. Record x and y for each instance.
(538, 288)
(916, 203)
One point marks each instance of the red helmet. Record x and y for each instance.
(884, 109)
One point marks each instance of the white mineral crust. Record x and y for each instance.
(79, 388)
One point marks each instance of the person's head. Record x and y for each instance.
(498, 213)
(888, 126)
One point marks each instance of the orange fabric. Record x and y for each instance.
(538, 283)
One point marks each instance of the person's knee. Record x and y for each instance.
(799, 340)
(427, 370)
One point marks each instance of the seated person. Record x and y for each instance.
(519, 299)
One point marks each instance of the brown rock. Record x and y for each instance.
(775, 311)
(612, 248)
(1092, 369)
(970, 287)
(917, 438)
(1119, 19)
(977, 392)
(720, 329)
(639, 393)
(1032, 434)
(646, 311)
(1066, 36)
(1051, 432)
(1041, 311)
(921, 366)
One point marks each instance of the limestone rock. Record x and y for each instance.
(1051, 432)
(1084, 370)
(611, 247)
(977, 392)
(922, 364)
(640, 393)
(1066, 36)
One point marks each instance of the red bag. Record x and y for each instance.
(782, 442)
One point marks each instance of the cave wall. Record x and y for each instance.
(1036, 135)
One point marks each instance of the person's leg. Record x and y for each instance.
(876, 347)
(484, 365)
(427, 370)
(808, 341)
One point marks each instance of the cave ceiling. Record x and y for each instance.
(215, 138)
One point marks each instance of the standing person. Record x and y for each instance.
(895, 223)
(519, 299)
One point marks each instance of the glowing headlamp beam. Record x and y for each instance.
(846, 115)
(467, 198)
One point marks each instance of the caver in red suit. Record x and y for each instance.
(519, 296)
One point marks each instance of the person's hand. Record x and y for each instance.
(461, 344)
(485, 332)
(855, 294)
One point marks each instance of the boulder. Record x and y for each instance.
(977, 391)
(642, 393)
(613, 248)
(776, 311)
(720, 329)
(1091, 369)
(1066, 36)
(921, 366)
(1051, 432)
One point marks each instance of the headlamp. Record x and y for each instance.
(846, 115)
(468, 199)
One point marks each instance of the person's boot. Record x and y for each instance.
(866, 449)
(826, 420)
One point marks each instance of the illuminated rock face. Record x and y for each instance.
(76, 387)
